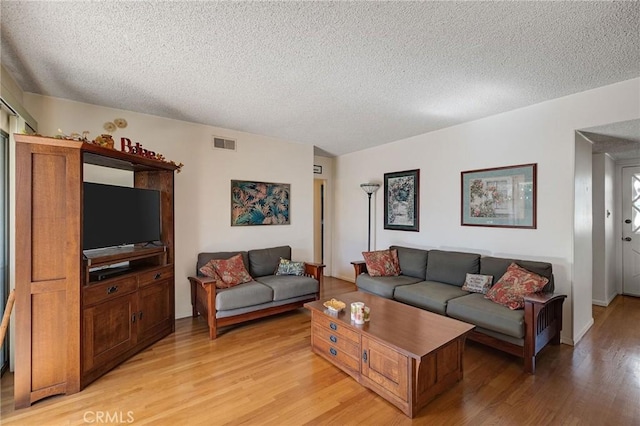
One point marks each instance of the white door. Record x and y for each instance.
(631, 230)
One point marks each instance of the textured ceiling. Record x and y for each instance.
(342, 76)
(620, 140)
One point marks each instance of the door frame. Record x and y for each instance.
(618, 218)
(620, 235)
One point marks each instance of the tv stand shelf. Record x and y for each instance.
(111, 255)
(71, 329)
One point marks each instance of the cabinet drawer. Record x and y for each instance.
(332, 325)
(337, 356)
(155, 275)
(110, 289)
(337, 340)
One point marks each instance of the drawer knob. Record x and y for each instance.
(112, 289)
(158, 275)
(333, 338)
(333, 352)
(333, 325)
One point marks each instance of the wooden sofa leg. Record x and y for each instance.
(194, 310)
(213, 332)
(530, 364)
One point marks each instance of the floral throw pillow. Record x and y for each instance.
(382, 263)
(516, 283)
(209, 271)
(288, 267)
(477, 283)
(231, 271)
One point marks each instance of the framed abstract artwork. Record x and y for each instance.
(259, 203)
(502, 197)
(402, 200)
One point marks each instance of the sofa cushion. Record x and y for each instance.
(484, 313)
(516, 283)
(243, 295)
(383, 286)
(497, 266)
(382, 263)
(451, 267)
(204, 258)
(288, 267)
(265, 261)
(429, 295)
(413, 262)
(288, 286)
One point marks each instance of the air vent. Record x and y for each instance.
(222, 143)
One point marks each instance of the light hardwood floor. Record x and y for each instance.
(264, 373)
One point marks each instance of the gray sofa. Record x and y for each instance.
(267, 294)
(432, 280)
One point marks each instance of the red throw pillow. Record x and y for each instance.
(230, 272)
(516, 283)
(209, 271)
(382, 263)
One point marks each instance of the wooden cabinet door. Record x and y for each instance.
(109, 330)
(385, 367)
(155, 309)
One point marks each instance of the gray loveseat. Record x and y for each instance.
(267, 294)
(432, 280)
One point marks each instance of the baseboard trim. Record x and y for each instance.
(350, 278)
(581, 334)
(604, 303)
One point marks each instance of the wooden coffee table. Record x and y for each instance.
(404, 354)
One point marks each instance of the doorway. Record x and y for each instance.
(319, 209)
(4, 239)
(631, 230)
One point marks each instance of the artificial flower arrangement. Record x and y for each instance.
(106, 140)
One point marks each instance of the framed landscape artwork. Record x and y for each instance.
(259, 203)
(402, 200)
(500, 197)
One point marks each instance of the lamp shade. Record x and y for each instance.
(369, 188)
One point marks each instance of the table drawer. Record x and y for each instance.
(337, 356)
(96, 293)
(155, 275)
(332, 325)
(337, 340)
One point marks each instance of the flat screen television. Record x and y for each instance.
(118, 215)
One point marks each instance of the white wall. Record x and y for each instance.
(542, 133)
(610, 240)
(202, 189)
(604, 288)
(581, 300)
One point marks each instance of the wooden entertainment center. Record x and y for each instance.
(72, 326)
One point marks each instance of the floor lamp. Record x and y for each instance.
(369, 188)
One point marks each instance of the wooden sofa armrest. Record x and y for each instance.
(360, 267)
(202, 281)
(315, 270)
(203, 301)
(543, 323)
(543, 298)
